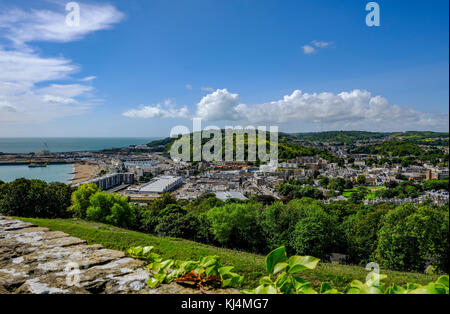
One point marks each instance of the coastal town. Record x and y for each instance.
(142, 174)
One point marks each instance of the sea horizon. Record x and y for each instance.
(24, 145)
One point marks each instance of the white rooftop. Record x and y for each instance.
(159, 184)
(223, 196)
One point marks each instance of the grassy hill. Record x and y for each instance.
(252, 266)
(287, 148)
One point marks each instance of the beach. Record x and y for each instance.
(84, 172)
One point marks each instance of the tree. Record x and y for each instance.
(34, 198)
(315, 232)
(174, 221)
(362, 236)
(150, 215)
(411, 237)
(361, 179)
(81, 199)
(236, 226)
(112, 209)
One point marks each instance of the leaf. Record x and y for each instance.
(298, 263)
(275, 257)
(326, 288)
(306, 289)
(443, 280)
(266, 290)
(224, 270)
(266, 281)
(279, 267)
(394, 289)
(152, 282)
(298, 282)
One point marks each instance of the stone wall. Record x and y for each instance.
(39, 261)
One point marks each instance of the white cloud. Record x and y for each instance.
(355, 109)
(166, 110)
(88, 79)
(307, 49)
(24, 95)
(188, 86)
(22, 26)
(207, 89)
(315, 45)
(219, 105)
(321, 44)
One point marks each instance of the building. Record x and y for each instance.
(223, 196)
(158, 185)
(111, 180)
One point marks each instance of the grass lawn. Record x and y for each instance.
(252, 266)
(370, 195)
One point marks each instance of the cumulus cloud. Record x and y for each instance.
(357, 109)
(166, 110)
(25, 95)
(219, 105)
(207, 89)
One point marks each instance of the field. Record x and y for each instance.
(252, 266)
(370, 195)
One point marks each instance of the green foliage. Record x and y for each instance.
(405, 189)
(235, 225)
(35, 198)
(315, 232)
(207, 270)
(361, 179)
(175, 221)
(80, 199)
(252, 266)
(361, 233)
(151, 214)
(404, 151)
(282, 274)
(412, 236)
(436, 185)
(282, 278)
(111, 208)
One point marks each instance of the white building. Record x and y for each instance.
(158, 185)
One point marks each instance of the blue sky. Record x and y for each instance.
(138, 68)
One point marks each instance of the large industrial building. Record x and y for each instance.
(112, 180)
(158, 185)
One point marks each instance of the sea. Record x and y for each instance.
(59, 172)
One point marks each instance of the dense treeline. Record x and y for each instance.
(403, 152)
(404, 237)
(345, 137)
(35, 198)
